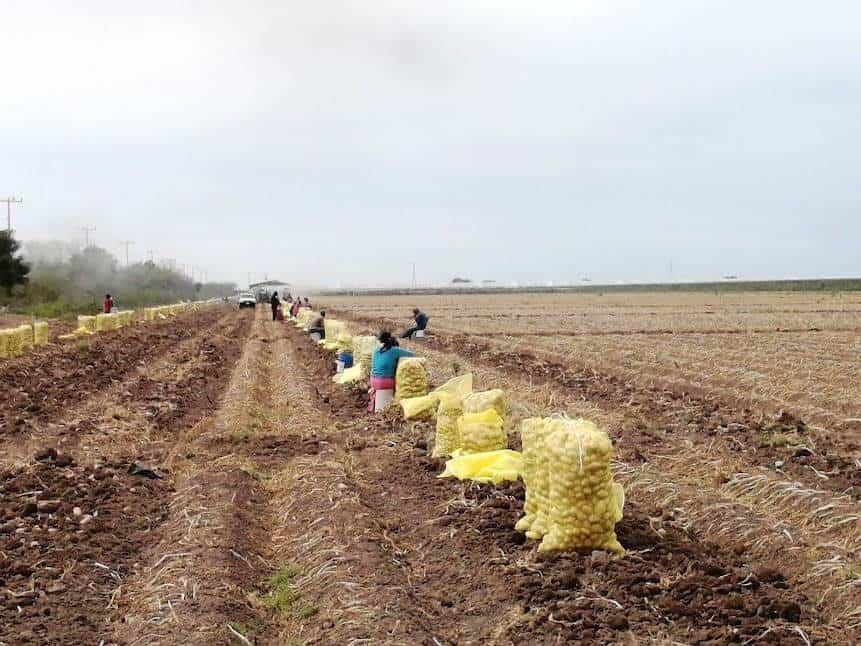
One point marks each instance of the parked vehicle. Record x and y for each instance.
(246, 299)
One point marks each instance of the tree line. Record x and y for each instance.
(53, 280)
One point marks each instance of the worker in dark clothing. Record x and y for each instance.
(420, 322)
(318, 325)
(275, 303)
(108, 304)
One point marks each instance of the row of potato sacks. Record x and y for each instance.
(18, 340)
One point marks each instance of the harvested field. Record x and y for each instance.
(234, 494)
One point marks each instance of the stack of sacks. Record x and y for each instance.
(425, 406)
(574, 503)
(411, 378)
(149, 314)
(40, 333)
(333, 329)
(480, 432)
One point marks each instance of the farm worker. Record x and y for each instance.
(384, 365)
(274, 302)
(294, 309)
(420, 322)
(317, 325)
(108, 304)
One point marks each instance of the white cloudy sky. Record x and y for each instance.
(337, 142)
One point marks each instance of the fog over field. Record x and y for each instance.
(337, 143)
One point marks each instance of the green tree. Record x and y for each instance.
(13, 269)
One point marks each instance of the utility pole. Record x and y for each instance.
(414, 275)
(9, 202)
(150, 254)
(87, 231)
(127, 243)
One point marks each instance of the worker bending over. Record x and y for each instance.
(420, 322)
(384, 365)
(318, 325)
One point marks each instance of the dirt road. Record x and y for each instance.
(285, 514)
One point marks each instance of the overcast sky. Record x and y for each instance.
(521, 141)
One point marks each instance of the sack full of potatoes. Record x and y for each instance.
(411, 378)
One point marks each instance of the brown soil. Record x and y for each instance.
(466, 576)
(59, 570)
(270, 467)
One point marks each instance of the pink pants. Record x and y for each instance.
(379, 383)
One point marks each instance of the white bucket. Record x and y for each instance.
(339, 366)
(315, 336)
(382, 399)
(419, 334)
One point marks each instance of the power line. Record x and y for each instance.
(126, 244)
(9, 202)
(87, 231)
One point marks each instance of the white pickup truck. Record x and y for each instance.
(246, 299)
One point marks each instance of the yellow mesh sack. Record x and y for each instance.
(363, 350)
(423, 407)
(5, 342)
(536, 477)
(344, 343)
(351, 375)
(461, 386)
(25, 335)
(88, 322)
(411, 378)
(481, 401)
(40, 333)
(493, 467)
(447, 435)
(104, 322)
(481, 432)
(585, 503)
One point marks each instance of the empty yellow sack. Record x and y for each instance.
(492, 466)
(411, 378)
(351, 375)
(423, 407)
(461, 386)
(477, 402)
(480, 432)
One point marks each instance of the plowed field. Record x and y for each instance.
(203, 480)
